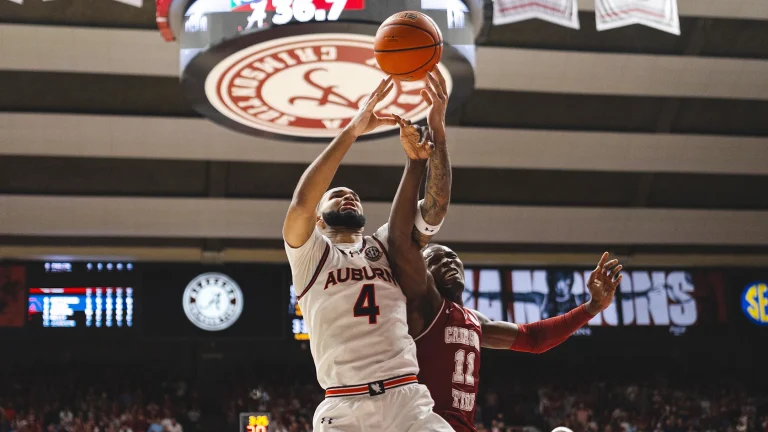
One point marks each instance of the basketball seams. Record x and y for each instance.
(408, 49)
(434, 26)
(413, 26)
(434, 51)
(434, 35)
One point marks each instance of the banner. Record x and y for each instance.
(672, 299)
(659, 14)
(134, 3)
(562, 12)
(13, 299)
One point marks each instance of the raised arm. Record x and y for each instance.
(301, 217)
(408, 265)
(537, 337)
(542, 336)
(437, 196)
(405, 255)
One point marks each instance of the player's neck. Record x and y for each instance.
(458, 300)
(344, 235)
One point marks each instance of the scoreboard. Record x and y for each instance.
(83, 298)
(298, 325)
(151, 301)
(254, 422)
(91, 307)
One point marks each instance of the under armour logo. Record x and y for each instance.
(324, 419)
(376, 388)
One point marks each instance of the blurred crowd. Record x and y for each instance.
(136, 400)
(654, 405)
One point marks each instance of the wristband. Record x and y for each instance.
(423, 226)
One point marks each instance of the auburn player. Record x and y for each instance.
(353, 307)
(448, 335)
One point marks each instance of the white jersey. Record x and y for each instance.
(354, 311)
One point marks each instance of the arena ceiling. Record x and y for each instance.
(574, 141)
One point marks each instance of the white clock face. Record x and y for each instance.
(213, 301)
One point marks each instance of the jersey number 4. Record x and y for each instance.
(459, 376)
(366, 306)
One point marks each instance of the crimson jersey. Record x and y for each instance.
(449, 363)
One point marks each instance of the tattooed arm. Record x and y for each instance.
(437, 196)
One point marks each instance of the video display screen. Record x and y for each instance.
(82, 297)
(258, 301)
(223, 301)
(673, 299)
(78, 307)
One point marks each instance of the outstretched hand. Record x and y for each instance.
(436, 96)
(602, 284)
(366, 120)
(416, 140)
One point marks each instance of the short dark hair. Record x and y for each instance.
(430, 246)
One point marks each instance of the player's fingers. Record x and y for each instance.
(424, 134)
(376, 98)
(602, 261)
(426, 97)
(430, 141)
(615, 271)
(386, 91)
(607, 267)
(431, 92)
(379, 88)
(436, 86)
(441, 80)
(618, 281)
(383, 84)
(386, 121)
(399, 120)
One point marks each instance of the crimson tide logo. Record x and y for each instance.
(308, 86)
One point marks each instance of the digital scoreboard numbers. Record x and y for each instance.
(254, 422)
(81, 307)
(298, 325)
(285, 11)
(263, 14)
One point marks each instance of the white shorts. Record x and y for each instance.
(401, 409)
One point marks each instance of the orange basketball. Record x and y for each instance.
(408, 45)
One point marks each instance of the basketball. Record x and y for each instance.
(408, 45)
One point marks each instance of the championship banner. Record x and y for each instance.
(12, 296)
(659, 14)
(562, 12)
(134, 3)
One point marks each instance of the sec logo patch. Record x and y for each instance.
(372, 253)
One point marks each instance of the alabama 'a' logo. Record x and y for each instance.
(308, 86)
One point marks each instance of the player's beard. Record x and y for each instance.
(347, 219)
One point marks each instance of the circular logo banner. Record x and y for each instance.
(213, 301)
